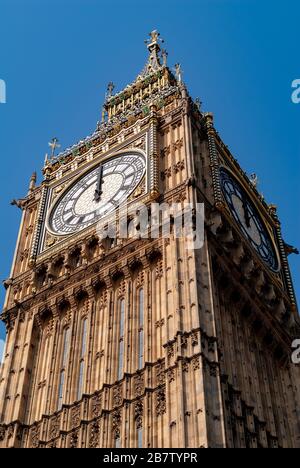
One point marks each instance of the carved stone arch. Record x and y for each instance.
(64, 311)
(99, 287)
(119, 282)
(62, 304)
(45, 319)
(91, 247)
(41, 276)
(27, 287)
(37, 322)
(117, 274)
(108, 235)
(80, 294)
(154, 254)
(57, 267)
(73, 248)
(135, 267)
(82, 299)
(74, 259)
(155, 259)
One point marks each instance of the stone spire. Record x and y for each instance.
(157, 58)
(154, 85)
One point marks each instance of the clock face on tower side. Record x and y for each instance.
(246, 215)
(97, 193)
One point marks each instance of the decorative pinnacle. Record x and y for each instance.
(156, 55)
(254, 180)
(198, 104)
(33, 177)
(32, 183)
(164, 55)
(178, 72)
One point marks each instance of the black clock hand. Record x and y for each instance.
(246, 212)
(98, 191)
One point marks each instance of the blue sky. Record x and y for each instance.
(239, 56)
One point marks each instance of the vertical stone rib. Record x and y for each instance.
(214, 160)
(286, 267)
(153, 153)
(39, 225)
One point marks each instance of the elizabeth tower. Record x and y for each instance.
(134, 342)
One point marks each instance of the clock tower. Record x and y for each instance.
(141, 342)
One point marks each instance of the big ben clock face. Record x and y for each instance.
(97, 193)
(247, 217)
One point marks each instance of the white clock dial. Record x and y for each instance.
(97, 193)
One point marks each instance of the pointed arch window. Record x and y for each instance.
(61, 389)
(64, 362)
(82, 358)
(121, 340)
(46, 358)
(140, 437)
(141, 330)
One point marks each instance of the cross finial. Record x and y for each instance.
(153, 42)
(54, 143)
(110, 89)
(154, 35)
